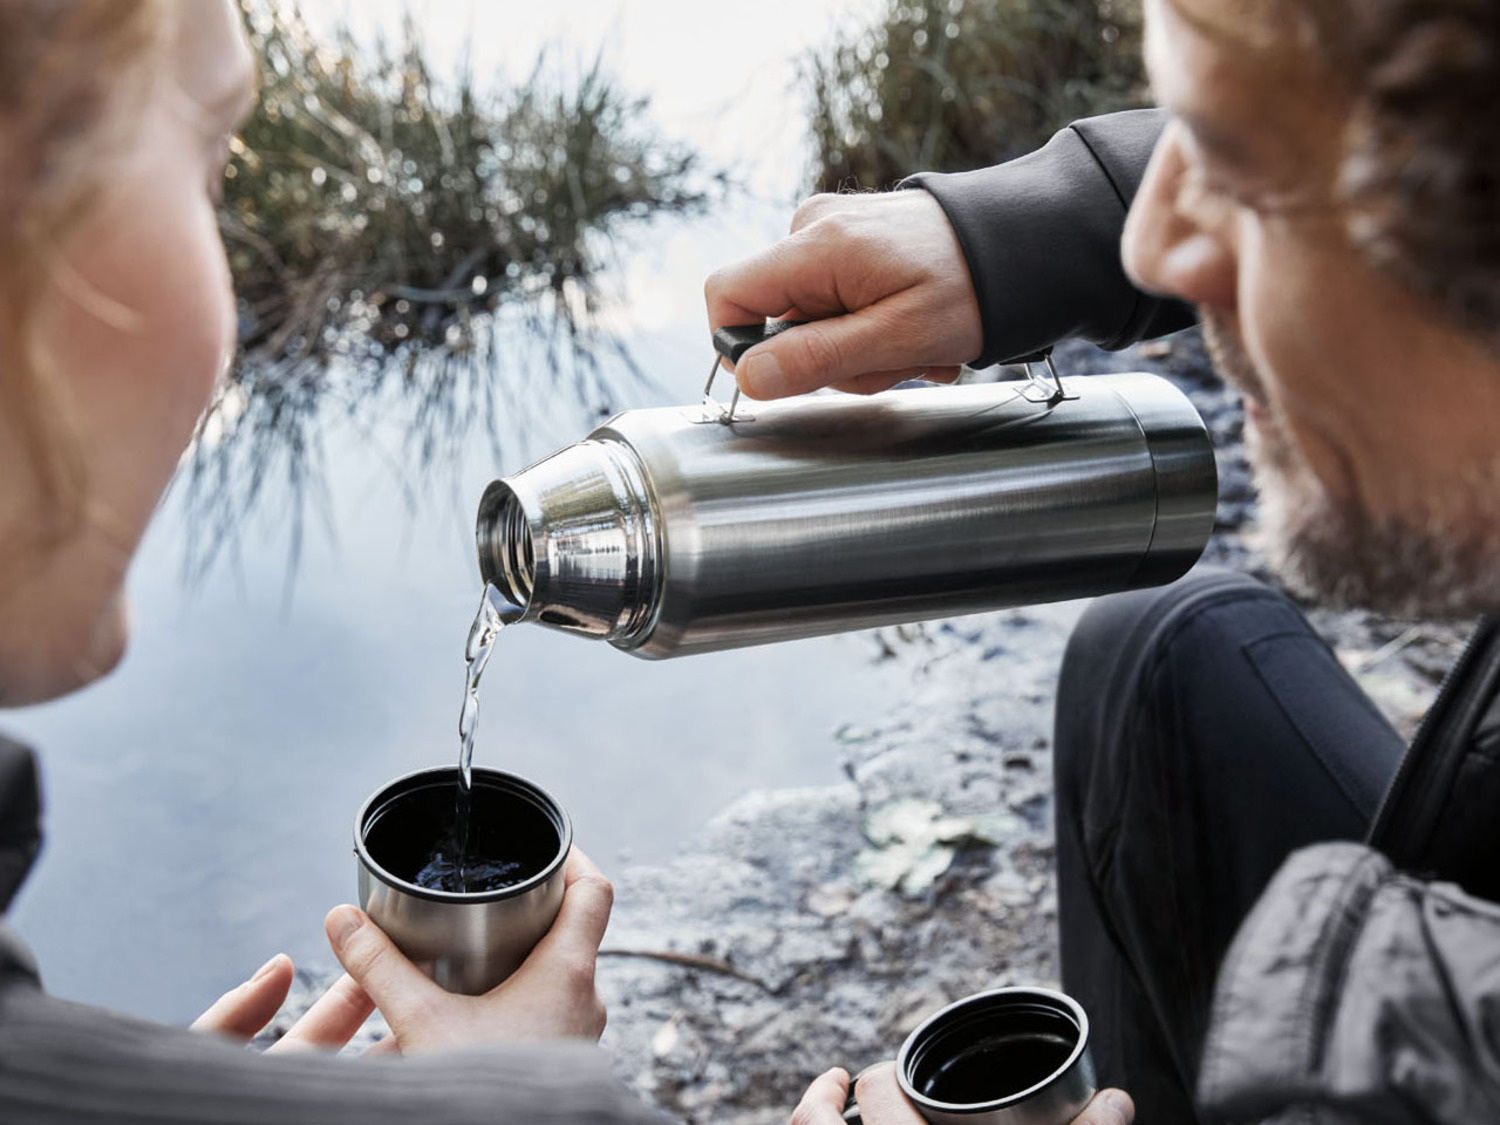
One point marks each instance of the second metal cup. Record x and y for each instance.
(467, 942)
(1012, 1056)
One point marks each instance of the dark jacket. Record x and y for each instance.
(67, 1064)
(1365, 985)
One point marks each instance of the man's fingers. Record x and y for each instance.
(331, 1021)
(877, 381)
(793, 274)
(823, 1104)
(881, 1100)
(1109, 1107)
(373, 961)
(243, 1011)
(831, 351)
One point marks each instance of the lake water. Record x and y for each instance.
(199, 801)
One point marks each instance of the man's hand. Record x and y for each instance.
(882, 278)
(881, 1102)
(551, 996)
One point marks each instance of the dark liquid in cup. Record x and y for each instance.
(996, 1067)
(415, 837)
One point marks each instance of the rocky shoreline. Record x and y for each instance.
(831, 921)
(814, 927)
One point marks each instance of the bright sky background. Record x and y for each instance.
(723, 77)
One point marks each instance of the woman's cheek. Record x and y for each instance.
(141, 347)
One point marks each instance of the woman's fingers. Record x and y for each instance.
(243, 1011)
(574, 938)
(823, 1104)
(390, 1045)
(331, 1021)
(374, 962)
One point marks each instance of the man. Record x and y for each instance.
(1324, 188)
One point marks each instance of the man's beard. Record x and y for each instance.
(1441, 560)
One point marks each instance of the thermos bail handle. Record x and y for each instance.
(731, 342)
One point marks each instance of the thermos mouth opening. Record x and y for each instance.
(507, 554)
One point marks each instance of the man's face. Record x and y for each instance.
(1373, 424)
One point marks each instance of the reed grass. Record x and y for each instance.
(394, 234)
(950, 85)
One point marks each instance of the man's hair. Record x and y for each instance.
(72, 73)
(1421, 161)
(1419, 166)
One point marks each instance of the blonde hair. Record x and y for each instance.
(72, 76)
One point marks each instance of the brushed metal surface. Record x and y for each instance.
(667, 535)
(465, 942)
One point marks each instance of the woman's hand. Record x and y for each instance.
(881, 1102)
(551, 996)
(884, 282)
(330, 1023)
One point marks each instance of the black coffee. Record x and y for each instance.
(415, 836)
(453, 869)
(996, 1067)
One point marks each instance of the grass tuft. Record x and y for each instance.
(951, 85)
(405, 245)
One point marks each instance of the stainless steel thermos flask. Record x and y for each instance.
(681, 530)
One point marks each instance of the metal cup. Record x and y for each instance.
(1012, 1056)
(466, 942)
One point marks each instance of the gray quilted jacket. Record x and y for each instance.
(1356, 993)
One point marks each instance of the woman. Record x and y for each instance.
(116, 318)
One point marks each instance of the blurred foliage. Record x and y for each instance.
(400, 242)
(950, 85)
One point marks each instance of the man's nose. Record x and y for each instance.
(1168, 251)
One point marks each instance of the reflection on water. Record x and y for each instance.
(393, 234)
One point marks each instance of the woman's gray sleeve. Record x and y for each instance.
(1041, 236)
(1360, 992)
(62, 1062)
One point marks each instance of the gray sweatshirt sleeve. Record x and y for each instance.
(1360, 992)
(1041, 236)
(61, 1062)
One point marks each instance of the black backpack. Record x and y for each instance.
(1440, 819)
